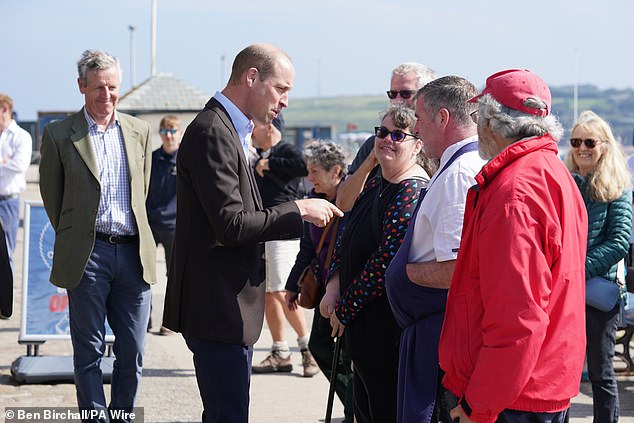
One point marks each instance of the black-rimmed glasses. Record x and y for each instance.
(396, 135)
(589, 142)
(405, 94)
(475, 116)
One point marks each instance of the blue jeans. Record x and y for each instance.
(10, 220)
(223, 373)
(112, 287)
(601, 340)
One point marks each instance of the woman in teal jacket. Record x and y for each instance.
(599, 168)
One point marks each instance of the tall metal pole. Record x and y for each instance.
(132, 57)
(222, 70)
(575, 92)
(153, 58)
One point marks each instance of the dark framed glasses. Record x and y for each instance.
(396, 135)
(405, 94)
(165, 131)
(588, 142)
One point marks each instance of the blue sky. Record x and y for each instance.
(343, 47)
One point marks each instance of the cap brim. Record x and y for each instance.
(475, 99)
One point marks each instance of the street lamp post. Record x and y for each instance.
(132, 57)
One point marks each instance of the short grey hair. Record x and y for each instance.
(511, 123)
(326, 154)
(452, 93)
(423, 72)
(96, 60)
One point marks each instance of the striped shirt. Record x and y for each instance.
(114, 216)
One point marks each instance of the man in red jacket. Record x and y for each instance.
(513, 343)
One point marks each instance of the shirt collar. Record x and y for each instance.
(455, 147)
(92, 124)
(243, 125)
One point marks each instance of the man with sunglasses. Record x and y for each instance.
(428, 254)
(512, 343)
(161, 197)
(407, 78)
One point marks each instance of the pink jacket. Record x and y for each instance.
(514, 330)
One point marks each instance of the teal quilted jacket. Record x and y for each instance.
(609, 230)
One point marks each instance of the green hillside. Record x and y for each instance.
(616, 106)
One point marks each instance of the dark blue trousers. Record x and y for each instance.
(514, 416)
(112, 287)
(223, 374)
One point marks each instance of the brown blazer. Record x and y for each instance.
(213, 291)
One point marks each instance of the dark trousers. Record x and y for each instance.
(322, 347)
(514, 416)
(601, 341)
(165, 237)
(374, 393)
(223, 374)
(112, 287)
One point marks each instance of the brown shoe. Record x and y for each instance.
(273, 363)
(310, 367)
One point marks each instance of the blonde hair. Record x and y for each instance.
(611, 177)
(169, 121)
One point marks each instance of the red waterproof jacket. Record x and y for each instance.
(514, 331)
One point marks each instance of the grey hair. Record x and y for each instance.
(452, 93)
(402, 115)
(327, 154)
(423, 72)
(96, 60)
(511, 123)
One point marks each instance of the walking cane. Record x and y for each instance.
(333, 379)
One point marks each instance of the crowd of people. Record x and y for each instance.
(456, 241)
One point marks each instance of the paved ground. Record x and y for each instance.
(168, 391)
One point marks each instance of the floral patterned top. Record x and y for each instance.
(366, 247)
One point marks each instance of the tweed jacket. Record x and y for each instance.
(70, 189)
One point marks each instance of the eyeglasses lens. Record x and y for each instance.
(165, 131)
(395, 135)
(589, 142)
(405, 94)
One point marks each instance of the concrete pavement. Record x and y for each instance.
(168, 391)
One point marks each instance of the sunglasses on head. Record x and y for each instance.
(165, 131)
(405, 94)
(396, 135)
(589, 142)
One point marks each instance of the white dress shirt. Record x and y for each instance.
(439, 220)
(15, 157)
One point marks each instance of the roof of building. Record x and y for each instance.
(161, 93)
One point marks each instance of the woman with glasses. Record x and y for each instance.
(599, 168)
(355, 300)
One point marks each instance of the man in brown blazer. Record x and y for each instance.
(214, 296)
(94, 177)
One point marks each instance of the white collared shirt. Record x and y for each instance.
(439, 221)
(243, 125)
(15, 147)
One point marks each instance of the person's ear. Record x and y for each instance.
(251, 76)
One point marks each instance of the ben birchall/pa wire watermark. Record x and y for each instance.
(68, 414)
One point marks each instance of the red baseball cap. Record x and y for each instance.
(513, 86)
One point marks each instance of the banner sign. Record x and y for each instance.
(44, 306)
